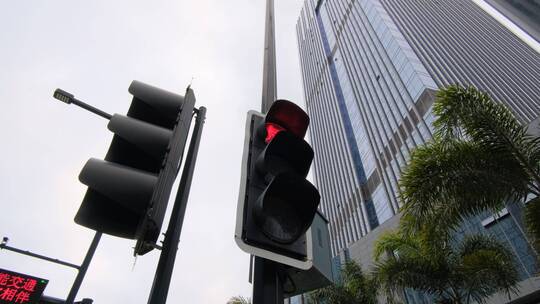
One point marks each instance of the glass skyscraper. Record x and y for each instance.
(371, 69)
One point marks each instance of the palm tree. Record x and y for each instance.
(239, 300)
(354, 287)
(449, 271)
(480, 159)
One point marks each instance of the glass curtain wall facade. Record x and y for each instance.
(370, 71)
(525, 14)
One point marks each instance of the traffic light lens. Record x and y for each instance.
(285, 153)
(281, 221)
(288, 116)
(286, 208)
(272, 130)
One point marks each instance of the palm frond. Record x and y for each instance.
(239, 300)
(333, 294)
(466, 113)
(455, 179)
(407, 272)
(534, 155)
(354, 287)
(487, 266)
(415, 261)
(362, 287)
(532, 219)
(474, 267)
(392, 242)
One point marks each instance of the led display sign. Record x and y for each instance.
(20, 288)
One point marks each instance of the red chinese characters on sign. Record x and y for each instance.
(15, 288)
(20, 289)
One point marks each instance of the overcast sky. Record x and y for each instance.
(94, 49)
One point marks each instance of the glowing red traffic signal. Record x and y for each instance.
(277, 204)
(272, 130)
(288, 116)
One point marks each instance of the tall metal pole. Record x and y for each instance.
(267, 284)
(269, 90)
(84, 267)
(162, 278)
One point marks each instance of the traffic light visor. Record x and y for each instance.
(285, 115)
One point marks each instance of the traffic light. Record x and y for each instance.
(128, 192)
(276, 205)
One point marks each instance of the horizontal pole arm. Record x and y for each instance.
(92, 109)
(39, 256)
(70, 99)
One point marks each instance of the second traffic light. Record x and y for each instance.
(277, 204)
(128, 192)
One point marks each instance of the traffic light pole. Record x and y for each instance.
(269, 89)
(162, 278)
(4, 246)
(267, 285)
(84, 267)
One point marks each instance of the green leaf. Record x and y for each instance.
(355, 287)
(532, 220)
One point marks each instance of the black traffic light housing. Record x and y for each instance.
(277, 204)
(128, 192)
